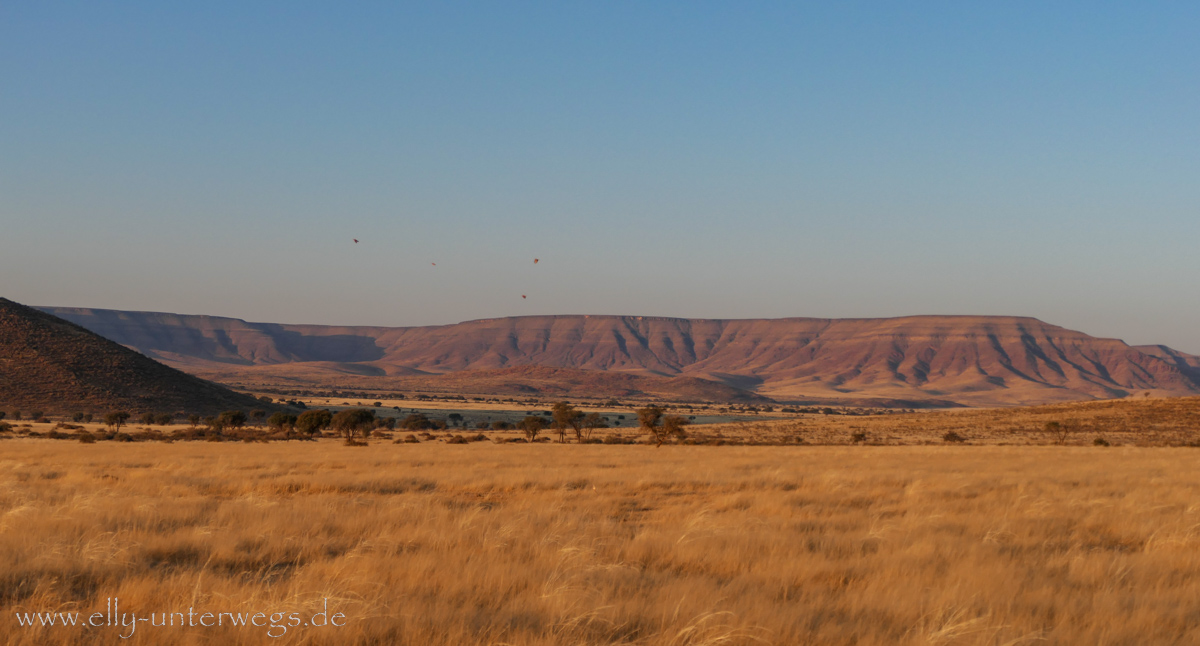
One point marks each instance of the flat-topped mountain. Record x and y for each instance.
(52, 365)
(972, 360)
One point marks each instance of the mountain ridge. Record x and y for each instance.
(968, 359)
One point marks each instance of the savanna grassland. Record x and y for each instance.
(484, 543)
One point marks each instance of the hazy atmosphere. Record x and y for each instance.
(683, 159)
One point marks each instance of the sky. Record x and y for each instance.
(693, 159)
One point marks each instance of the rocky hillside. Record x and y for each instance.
(52, 365)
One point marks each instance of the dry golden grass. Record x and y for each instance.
(434, 544)
(1134, 421)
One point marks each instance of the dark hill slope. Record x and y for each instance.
(53, 365)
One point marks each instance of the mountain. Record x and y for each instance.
(55, 366)
(968, 360)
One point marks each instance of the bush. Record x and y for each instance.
(951, 436)
(858, 437)
(164, 419)
(1100, 442)
(147, 418)
(86, 438)
(77, 417)
(416, 422)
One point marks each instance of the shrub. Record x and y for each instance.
(857, 437)
(86, 438)
(1100, 442)
(77, 417)
(416, 422)
(501, 425)
(164, 419)
(5, 427)
(951, 436)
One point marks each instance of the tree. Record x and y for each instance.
(1060, 432)
(258, 415)
(164, 419)
(194, 420)
(532, 425)
(2, 414)
(567, 416)
(234, 419)
(591, 422)
(354, 421)
(672, 426)
(115, 419)
(311, 422)
(77, 417)
(660, 428)
(282, 422)
(650, 418)
(147, 418)
(455, 419)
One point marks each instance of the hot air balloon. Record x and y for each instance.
(522, 296)
(535, 261)
(355, 240)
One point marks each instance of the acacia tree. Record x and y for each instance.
(115, 419)
(234, 419)
(258, 415)
(661, 428)
(353, 421)
(532, 425)
(591, 422)
(567, 416)
(650, 419)
(311, 422)
(282, 422)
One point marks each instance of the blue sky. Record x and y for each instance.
(682, 159)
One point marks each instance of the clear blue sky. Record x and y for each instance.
(683, 159)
